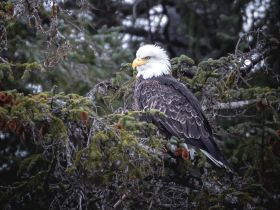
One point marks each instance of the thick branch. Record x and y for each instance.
(231, 105)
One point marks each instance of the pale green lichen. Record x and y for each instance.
(29, 68)
(57, 129)
(6, 68)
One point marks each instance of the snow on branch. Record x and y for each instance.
(231, 105)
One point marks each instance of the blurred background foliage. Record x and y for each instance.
(61, 150)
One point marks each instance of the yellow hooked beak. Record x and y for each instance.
(138, 62)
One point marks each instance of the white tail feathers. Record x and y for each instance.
(217, 162)
(192, 150)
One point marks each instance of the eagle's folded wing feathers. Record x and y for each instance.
(182, 115)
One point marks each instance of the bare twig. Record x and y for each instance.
(120, 200)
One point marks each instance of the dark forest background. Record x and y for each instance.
(69, 136)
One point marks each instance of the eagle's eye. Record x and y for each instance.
(147, 58)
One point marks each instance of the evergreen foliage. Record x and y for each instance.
(61, 149)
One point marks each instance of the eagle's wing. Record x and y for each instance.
(183, 116)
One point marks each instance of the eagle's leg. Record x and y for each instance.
(179, 150)
(182, 152)
(185, 151)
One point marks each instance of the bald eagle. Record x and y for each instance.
(183, 117)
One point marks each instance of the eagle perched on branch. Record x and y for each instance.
(183, 117)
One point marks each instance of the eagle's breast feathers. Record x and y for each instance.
(180, 117)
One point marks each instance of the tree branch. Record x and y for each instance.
(231, 105)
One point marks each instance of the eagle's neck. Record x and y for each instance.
(154, 69)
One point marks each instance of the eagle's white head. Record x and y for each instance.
(151, 61)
